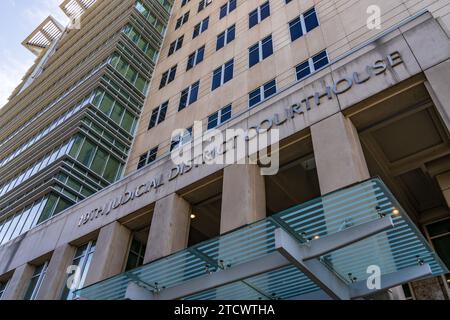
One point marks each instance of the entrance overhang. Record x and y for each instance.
(345, 245)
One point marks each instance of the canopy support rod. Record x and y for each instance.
(220, 278)
(305, 256)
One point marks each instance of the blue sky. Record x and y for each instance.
(18, 18)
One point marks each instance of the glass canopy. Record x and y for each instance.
(398, 248)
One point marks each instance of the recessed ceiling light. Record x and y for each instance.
(193, 216)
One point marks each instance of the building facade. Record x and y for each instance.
(356, 105)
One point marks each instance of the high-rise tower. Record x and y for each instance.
(68, 128)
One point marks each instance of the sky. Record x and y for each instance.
(18, 18)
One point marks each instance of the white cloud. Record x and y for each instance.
(12, 69)
(41, 9)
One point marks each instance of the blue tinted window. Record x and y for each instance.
(231, 33)
(303, 70)
(190, 62)
(252, 19)
(172, 74)
(227, 8)
(213, 121)
(196, 31)
(217, 78)
(194, 92)
(232, 5)
(295, 28)
(226, 37)
(200, 54)
(223, 74)
(229, 68)
(226, 114)
(183, 99)
(220, 41)
(270, 89)
(265, 10)
(223, 11)
(163, 79)
(311, 20)
(205, 24)
(253, 55)
(267, 47)
(320, 60)
(254, 97)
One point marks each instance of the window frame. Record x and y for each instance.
(261, 90)
(258, 11)
(188, 92)
(176, 45)
(197, 57)
(219, 114)
(222, 72)
(227, 8)
(302, 22)
(37, 286)
(167, 76)
(226, 37)
(158, 113)
(200, 27)
(84, 264)
(311, 65)
(181, 140)
(260, 47)
(148, 158)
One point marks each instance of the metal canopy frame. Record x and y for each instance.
(318, 250)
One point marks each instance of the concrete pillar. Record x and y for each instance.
(429, 289)
(243, 196)
(111, 251)
(340, 162)
(56, 276)
(438, 78)
(19, 283)
(444, 184)
(339, 157)
(169, 231)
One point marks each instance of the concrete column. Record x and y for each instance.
(340, 162)
(111, 251)
(339, 157)
(56, 276)
(169, 231)
(243, 196)
(444, 184)
(438, 78)
(19, 283)
(429, 289)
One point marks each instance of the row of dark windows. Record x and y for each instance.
(214, 120)
(301, 25)
(222, 75)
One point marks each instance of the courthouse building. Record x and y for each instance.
(92, 205)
